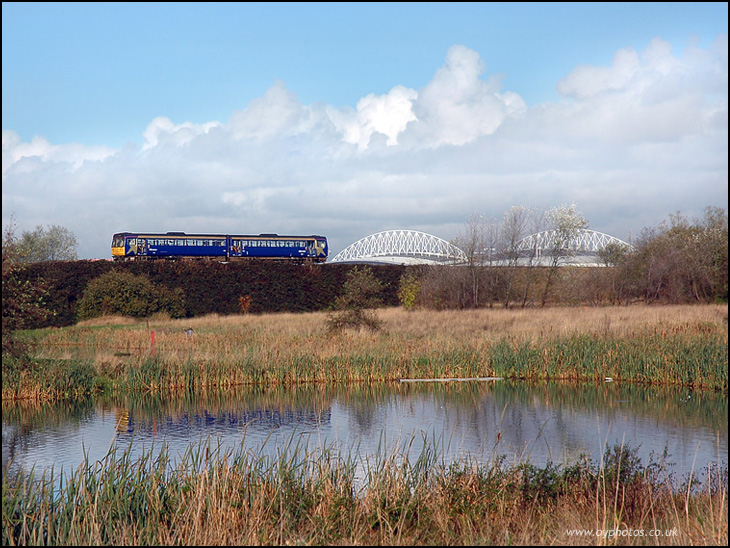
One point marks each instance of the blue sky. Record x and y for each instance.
(348, 119)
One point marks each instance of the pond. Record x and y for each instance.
(480, 420)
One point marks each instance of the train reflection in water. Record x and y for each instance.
(205, 423)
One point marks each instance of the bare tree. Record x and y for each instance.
(530, 257)
(565, 225)
(514, 225)
(473, 244)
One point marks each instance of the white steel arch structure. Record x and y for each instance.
(583, 249)
(401, 247)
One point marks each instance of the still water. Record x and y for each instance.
(480, 421)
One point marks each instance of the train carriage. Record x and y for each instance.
(221, 247)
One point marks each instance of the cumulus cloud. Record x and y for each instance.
(629, 143)
(163, 130)
(653, 96)
(277, 112)
(457, 106)
(386, 114)
(74, 154)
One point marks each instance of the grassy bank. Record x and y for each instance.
(682, 345)
(228, 498)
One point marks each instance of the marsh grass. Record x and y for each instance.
(211, 496)
(684, 345)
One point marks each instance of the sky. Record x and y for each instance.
(348, 119)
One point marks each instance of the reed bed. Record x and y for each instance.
(305, 497)
(683, 345)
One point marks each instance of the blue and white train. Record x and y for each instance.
(222, 247)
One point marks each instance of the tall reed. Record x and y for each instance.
(301, 496)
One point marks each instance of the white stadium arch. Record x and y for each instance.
(401, 247)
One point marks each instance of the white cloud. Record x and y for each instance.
(74, 154)
(387, 114)
(278, 112)
(629, 143)
(457, 106)
(162, 130)
(587, 81)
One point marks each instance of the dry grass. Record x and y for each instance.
(549, 322)
(665, 344)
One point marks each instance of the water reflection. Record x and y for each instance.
(484, 421)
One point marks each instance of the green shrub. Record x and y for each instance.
(128, 295)
(408, 290)
(360, 294)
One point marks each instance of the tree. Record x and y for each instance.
(54, 243)
(473, 243)
(23, 301)
(360, 294)
(681, 260)
(409, 289)
(565, 224)
(514, 225)
(613, 254)
(531, 221)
